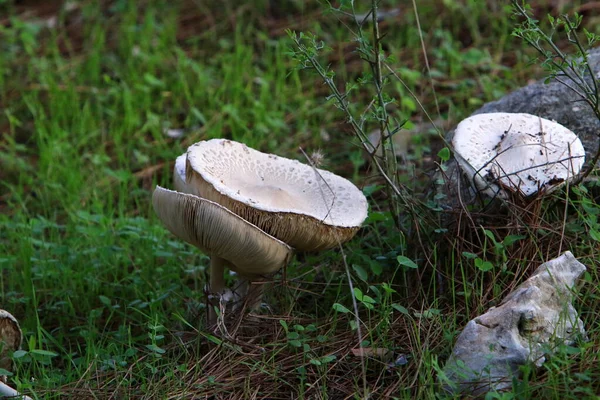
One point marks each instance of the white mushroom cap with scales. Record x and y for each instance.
(521, 153)
(305, 207)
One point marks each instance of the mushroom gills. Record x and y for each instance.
(228, 239)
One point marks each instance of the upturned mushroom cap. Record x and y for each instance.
(10, 339)
(220, 233)
(517, 152)
(179, 181)
(307, 208)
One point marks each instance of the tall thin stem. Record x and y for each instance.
(389, 160)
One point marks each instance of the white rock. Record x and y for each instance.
(536, 316)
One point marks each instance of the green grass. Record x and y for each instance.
(112, 305)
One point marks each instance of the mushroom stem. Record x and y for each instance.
(217, 285)
(217, 270)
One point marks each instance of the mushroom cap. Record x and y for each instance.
(308, 208)
(179, 181)
(219, 232)
(517, 152)
(10, 338)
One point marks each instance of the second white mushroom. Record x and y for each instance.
(520, 153)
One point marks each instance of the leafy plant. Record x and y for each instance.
(571, 70)
(306, 52)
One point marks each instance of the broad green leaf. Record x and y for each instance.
(407, 262)
(328, 359)
(444, 154)
(19, 354)
(284, 324)
(483, 265)
(105, 300)
(293, 335)
(368, 299)
(358, 294)
(400, 308)
(44, 353)
(340, 308)
(511, 239)
(360, 271)
(155, 349)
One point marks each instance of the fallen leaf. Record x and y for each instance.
(373, 352)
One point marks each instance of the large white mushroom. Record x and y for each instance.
(519, 153)
(248, 209)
